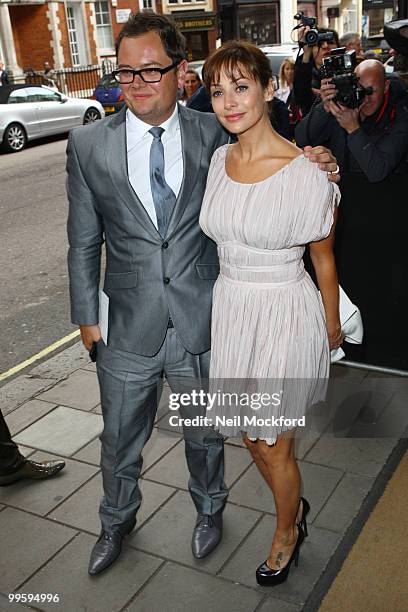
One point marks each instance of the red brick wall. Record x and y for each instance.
(133, 5)
(31, 35)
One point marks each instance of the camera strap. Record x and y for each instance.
(384, 108)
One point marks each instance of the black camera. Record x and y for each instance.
(339, 67)
(313, 36)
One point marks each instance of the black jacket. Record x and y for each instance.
(377, 149)
(4, 78)
(306, 76)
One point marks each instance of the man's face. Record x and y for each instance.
(150, 102)
(321, 51)
(373, 102)
(356, 46)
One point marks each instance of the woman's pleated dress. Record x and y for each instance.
(268, 324)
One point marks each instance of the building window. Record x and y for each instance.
(147, 5)
(73, 37)
(103, 25)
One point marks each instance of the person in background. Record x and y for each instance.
(371, 145)
(306, 84)
(352, 42)
(49, 75)
(285, 93)
(14, 466)
(4, 77)
(192, 82)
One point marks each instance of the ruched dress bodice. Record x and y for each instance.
(268, 320)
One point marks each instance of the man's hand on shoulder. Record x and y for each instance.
(89, 335)
(325, 160)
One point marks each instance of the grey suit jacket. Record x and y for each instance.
(147, 278)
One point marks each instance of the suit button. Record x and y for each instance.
(165, 245)
(166, 280)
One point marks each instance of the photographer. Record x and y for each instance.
(307, 78)
(371, 139)
(370, 142)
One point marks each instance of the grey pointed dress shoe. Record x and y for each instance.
(207, 534)
(105, 552)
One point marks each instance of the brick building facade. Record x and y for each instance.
(70, 33)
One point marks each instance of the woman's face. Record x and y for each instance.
(240, 103)
(320, 52)
(288, 73)
(191, 83)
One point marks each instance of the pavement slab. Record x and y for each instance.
(64, 430)
(27, 414)
(81, 509)
(42, 496)
(168, 533)
(272, 604)
(29, 542)
(314, 555)
(14, 393)
(344, 503)
(364, 456)
(79, 390)
(66, 574)
(176, 588)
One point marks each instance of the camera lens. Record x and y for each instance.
(311, 37)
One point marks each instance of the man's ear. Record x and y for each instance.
(181, 73)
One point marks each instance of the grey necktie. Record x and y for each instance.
(163, 196)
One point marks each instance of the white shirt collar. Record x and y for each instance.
(139, 128)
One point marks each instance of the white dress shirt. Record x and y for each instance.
(138, 143)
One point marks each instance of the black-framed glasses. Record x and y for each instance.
(125, 76)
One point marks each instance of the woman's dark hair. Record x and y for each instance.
(172, 39)
(237, 58)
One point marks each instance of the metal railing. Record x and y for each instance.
(78, 82)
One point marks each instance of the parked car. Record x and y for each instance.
(28, 112)
(277, 53)
(109, 94)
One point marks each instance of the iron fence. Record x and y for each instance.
(78, 82)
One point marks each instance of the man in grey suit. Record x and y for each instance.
(136, 181)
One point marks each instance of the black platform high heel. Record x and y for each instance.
(265, 576)
(305, 511)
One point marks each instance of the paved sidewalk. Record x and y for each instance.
(48, 528)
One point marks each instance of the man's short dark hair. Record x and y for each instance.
(172, 39)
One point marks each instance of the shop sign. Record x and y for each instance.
(195, 23)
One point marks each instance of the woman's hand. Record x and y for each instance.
(336, 337)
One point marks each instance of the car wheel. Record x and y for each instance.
(15, 138)
(91, 115)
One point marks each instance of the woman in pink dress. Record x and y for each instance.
(264, 202)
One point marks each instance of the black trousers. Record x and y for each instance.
(10, 457)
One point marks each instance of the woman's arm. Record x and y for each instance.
(322, 257)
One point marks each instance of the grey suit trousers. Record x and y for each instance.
(131, 387)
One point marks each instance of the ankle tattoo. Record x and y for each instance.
(279, 558)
